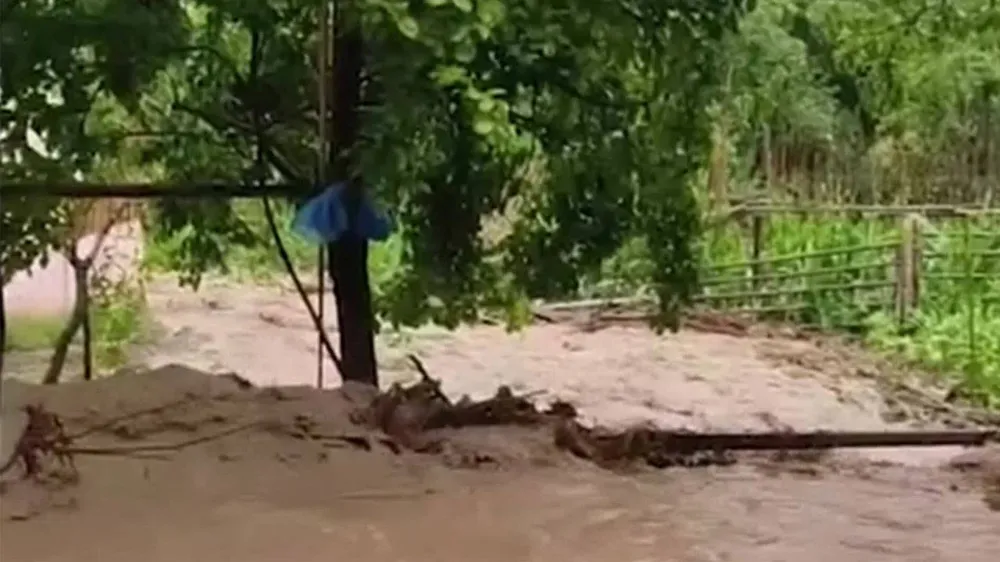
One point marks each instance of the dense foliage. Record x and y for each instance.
(517, 144)
(884, 100)
(588, 116)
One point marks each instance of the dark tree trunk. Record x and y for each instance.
(348, 257)
(347, 261)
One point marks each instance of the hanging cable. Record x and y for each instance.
(259, 169)
(299, 288)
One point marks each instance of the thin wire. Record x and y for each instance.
(290, 268)
(322, 62)
(259, 168)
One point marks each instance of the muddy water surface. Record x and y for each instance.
(705, 515)
(240, 502)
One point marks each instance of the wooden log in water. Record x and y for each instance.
(687, 442)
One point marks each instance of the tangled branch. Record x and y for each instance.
(44, 439)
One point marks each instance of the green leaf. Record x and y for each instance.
(486, 105)
(490, 12)
(483, 126)
(408, 26)
(449, 75)
(465, 52)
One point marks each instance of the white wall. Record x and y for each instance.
(48, 291)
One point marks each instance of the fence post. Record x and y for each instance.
(756, 249)
(917, 247)
(907, 277)
(768, 157)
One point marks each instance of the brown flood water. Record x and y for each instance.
(235, 501)
(702, 515)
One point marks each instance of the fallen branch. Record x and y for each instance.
(386, 494)
(432, 386)
(927, 400)
(44, 436)
(407, 414)
(124, 417)
(160, 447)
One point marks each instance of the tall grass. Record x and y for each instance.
(953, 329)
(118, 321)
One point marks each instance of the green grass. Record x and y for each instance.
(118, 320)
(32, 333)
(954, 330)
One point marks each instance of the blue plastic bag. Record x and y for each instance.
(323, 219)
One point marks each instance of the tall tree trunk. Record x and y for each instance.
(348, 257)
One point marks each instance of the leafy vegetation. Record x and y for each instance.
(839, 274)
(878, 102)
(589, 117)
(529, 149)
(858, 101)
(118, 322)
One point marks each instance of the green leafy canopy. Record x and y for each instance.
(517, 143)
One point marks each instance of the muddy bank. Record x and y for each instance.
(296, 481)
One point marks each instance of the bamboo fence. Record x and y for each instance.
(888, 275)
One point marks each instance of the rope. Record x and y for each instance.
(259, 167)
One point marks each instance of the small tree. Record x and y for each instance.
(80, 213)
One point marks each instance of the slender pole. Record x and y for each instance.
(322, 62)
(3, 315)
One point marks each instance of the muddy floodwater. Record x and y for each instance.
(270, 494)
(703, 515)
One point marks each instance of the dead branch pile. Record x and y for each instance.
(43, 439)
(410, 416)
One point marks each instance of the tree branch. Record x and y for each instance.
(221, 123)
(7, 8)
